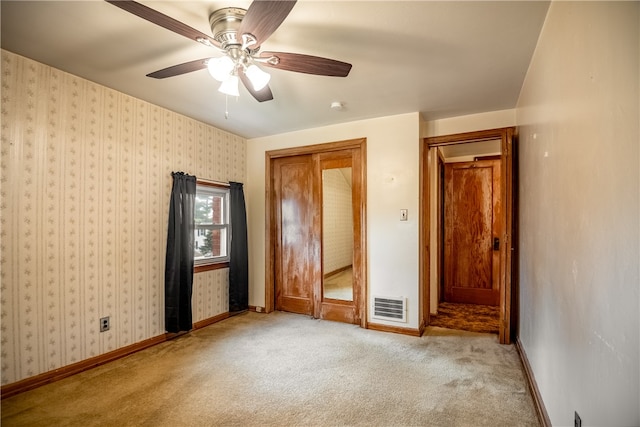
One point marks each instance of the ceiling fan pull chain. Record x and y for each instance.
(226, 107)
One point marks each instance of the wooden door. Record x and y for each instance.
(297, 254)
(473, 229)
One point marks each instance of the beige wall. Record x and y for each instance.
(579, 213)
(469, 123)
(393, 145)
(392, 184)
(84, 204)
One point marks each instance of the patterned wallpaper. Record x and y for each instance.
(84, 197)
(337, 212)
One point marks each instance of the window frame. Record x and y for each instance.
(217, 262)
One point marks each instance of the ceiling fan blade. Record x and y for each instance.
(176, 70)
(261, 95)
(264, 17)
(164, 21)
(307, 64)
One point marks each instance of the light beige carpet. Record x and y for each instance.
(283, 369)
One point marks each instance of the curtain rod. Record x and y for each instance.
(209, 181)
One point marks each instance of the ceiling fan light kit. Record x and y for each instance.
(220, 68)
(230, 86)
(259, 79)
(224, 68)
(239, 33)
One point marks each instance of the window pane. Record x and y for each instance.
(210, 243)
(217, 203)
(209, 209)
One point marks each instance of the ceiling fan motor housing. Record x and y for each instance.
(225, 24)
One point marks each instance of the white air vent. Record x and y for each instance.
(390, 308)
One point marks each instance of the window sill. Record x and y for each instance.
(208, 267)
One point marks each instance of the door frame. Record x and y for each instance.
(506, 136)
(360, 244)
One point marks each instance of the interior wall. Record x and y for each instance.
(392, 164)
(579, 213)
(337, 221)
(86, 178)
(469, 123)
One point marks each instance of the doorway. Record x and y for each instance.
(316, 231)
(467, 220)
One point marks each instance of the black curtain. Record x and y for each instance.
(178, 274)
(238, 255)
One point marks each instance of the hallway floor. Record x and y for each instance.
(467, 317)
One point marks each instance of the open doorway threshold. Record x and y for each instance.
(467, 317)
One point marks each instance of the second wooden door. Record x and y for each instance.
(472, 229)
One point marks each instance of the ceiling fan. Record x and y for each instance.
(239, 33)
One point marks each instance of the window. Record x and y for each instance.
(212, 233)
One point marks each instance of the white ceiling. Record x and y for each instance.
(442, 59)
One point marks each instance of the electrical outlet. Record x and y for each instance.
(104, 324)
(577, 422)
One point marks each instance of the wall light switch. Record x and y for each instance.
(403, 214)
